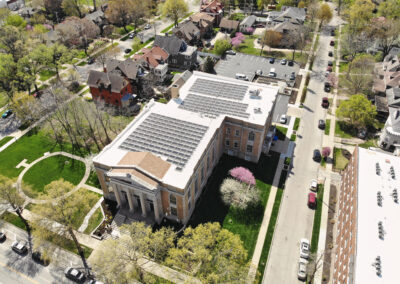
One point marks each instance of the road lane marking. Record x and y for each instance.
(19, 273)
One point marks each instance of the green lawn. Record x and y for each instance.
(94, 221)
(317, 219)
(327, 126)
(369, 143)
(293, 137)
(46, 74)
(5, 140)
(296, 124)
(245, 223)
(343, 66)
(339, 161)
(13, 219)
(93, 180)
(281, 132)
(51, 169)
(83, 63)
(344, 130)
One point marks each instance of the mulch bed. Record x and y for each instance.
(326, 269)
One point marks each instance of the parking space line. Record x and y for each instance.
(19, 273)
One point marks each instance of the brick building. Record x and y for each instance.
(368, 231)
(158, 166)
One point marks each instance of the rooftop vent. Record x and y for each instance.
(381, 232)
(257, 110)
(392, 173)
(395, 196)
(378, 265)
(254, 93)
(378, 169)
(379, 198)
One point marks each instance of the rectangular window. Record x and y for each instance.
(251, 136)
(249, 148)
(235, 144)
(237, 132)
(227, 143)
(228, 130)
(196, 186)
(203, 173)
(174, 212)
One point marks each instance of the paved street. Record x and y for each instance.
(295, 219)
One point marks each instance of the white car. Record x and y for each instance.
(314, 185)
(302, 271)
(304, 248)
(283, 119)
(19, 247)
(147, 27)
(230, 52)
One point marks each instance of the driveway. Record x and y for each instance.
(295, 219)
(281, 107)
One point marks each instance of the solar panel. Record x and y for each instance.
(166, 136)
(214, 106)
(219, 89)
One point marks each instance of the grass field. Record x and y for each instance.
(245, 223)
(46, 74)
(344, 130)
(281, 132)
(51, 169)
(327, 126)
(94, 221)
(339, 161)
(93, 180)
(317, 219)
(5, 140)
(296, 124)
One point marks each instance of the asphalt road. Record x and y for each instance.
(295, 219)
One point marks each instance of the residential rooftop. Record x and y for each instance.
(179, 134)
(378, 175)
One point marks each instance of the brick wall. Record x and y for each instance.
(110, 97)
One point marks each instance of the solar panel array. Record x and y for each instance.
(214, 106)
(169, 137)
(219, 89)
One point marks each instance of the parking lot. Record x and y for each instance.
(250, 64)
(281, 107)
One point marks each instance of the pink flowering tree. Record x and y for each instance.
(249, 30)
(243, 175)
(326, 151)
(235, 42)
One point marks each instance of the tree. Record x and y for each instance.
(26, 107)
(73, 8)
(52, 8)
(63, 210)
(243, 175)
(386, 33)
(9, 195)
(141, 10)
(12, 41)
(210, 253)
(174, 9)
(8, 74)
(119, 12)
(312, 9)
(239, 195)
(358, 110)
(221, 45)
(359, 76)
(209, 65)
(261, 4)
(326, 151)
(324, 13)
(56, 55)
(271, 39)
(301, 4)
(353, 43)
(15, 20)
(359, 14)
(332, 79)
(389, 9)
(118, 261)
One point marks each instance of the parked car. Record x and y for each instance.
(330, 63)
(317, 155)
(330, 53)
(38, 257)
(327, 87)
(92, 281)
(362, 133)
(325, 102)
(332, 43)
(314, 185)
(132, 35)
(283, 61)
(302, 271)
(128, 50)
(333, 32)
(290, 63)
(230, 52)
(321, 124)
(90, 60)
(272, 73)
(272, 60)
(74, 274)
(329, 69)
(259, 72)
(147, 27)
(19, 247)
(304, 248)
(292, 76)
(283, 119)
(7, 113)
(312, 200)
(241, 77)
(3, 237)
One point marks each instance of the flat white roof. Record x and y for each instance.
(179, 175)
(369, 245)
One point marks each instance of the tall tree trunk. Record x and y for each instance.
(28, 227)
(80, 250)
(94, 5)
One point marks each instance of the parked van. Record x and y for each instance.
(241, 77)
(272, 73)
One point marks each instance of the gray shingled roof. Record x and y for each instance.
(97, 78)
(249, 20)
(170, 43)
(229, 24)
(127, 68)
(188, 28)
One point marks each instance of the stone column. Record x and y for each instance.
(156, 212)
(143, 203)
(116, 192)
(130, 201)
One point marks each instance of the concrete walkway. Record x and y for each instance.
(92, 188)
(85, 222)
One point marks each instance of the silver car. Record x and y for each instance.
(302, 271)
(304, 248)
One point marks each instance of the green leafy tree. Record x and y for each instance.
(271, 39)
(73, 8)
(210, 253)
(209, 65)
(389, 9)
(301, 4)
(55, 56)
(118, 261)
(358, 110)
(261, 4)
(359, 14)
(12, 41)
(359, 76)
(324, 13)
(119, 12)
(15, 20)
(174, 9)
(8, 74)
(221, 45)
(386, 33)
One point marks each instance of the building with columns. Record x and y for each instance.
(159, 164)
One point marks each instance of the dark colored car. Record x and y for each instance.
(272, 60)
(327, 87)
(362, 133)
(292, 76)
(290, 63)
(317, 155)
(330, 63)
(325, 102)
(329, 68)
(321, 124)
(90, 60)
(7, 113)
(128, 50)
(332, 43)
(74, 274)
(332, 32)
(38, 257)
(330, 53)
(312, 200)
(2, 237)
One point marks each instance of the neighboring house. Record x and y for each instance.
(158, 166)
(293, 15)
(181, 55)
(189, 32)
(154, 60)
(51, 37)
(387, 74)
(213, 8)
(27, 12)
(228, 26)
(177, 82)
(98, 18)
(204, 22)
(390, 136)
(109, 88)
(247, 22)
(367, 246)
(286, 29)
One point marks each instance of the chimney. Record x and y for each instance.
(175, 91)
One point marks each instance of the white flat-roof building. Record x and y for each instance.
(159, 163)
(368, 234)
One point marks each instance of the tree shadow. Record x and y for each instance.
(23, 263)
